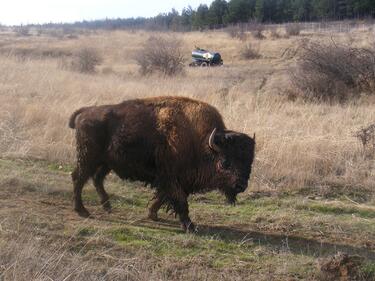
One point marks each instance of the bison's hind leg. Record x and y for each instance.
(98, 180)
(79, 177)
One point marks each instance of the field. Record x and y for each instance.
(311, 194)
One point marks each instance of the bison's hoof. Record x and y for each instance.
(83, 213)
(189, 227)
(107, 207)
(153, 216)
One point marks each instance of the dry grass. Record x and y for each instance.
(293, 29)
(299, 144)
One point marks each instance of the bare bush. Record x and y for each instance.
(256, 29)
(274, 33)
(69, 32)
(161, 54)
(236, 31)
(250, 51)
(334, 72)
(232, 31)
(22, 31)
(86, 60)
(293, 29)
(53, 32)
(366, 136)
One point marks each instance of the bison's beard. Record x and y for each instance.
(231, 196)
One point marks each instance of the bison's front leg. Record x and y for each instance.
(156, 205)
(180, 206)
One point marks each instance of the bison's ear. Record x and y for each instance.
(230, 138)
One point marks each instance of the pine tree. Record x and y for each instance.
(259, 10)
(217, 11)
(200, 17)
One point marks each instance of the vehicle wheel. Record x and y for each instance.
(204, 64)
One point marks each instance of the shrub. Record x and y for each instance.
(293, 29)
(250, 51)
(22, 31)
(274, 33)
(334, 72)
(236, 31)
(161, 54)
(256, 29)
(366, 136)
(86, 60)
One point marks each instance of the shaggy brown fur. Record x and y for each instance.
(164, 142)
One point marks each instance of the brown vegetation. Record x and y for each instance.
(334, 71)
(256, 30)
(293, 29)
(161, 54)
(250, 51)
(236, 31)
(86, 60)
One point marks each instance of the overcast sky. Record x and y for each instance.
(14, 12)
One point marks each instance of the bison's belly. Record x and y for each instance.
(127, 171)
(133, 162)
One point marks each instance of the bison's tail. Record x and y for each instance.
(72, 120)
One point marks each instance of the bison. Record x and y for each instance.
(177, 145)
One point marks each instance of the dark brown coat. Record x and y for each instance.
(177, 145)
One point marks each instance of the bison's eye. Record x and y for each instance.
(224, 164)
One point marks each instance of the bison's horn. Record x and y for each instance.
(211, 142)
(254, 137)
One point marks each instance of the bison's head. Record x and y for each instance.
(233, 158)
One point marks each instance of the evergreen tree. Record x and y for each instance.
(200, 17)
(321, 8)
(302, 10)
(217, 11)
(239, 11)
(186, 18)
(259, 10)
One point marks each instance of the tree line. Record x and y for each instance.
(221, 12)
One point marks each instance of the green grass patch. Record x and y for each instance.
(59, 167)
(162, 242)
(86, 231)
(368, 271)
(327, 208)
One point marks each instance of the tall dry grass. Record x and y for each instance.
(298, 144)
